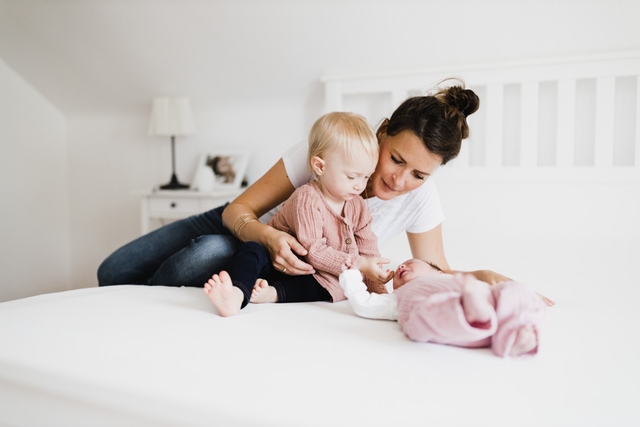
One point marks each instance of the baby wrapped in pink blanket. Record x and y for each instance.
(453, 309)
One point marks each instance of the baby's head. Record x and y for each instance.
(412, 269)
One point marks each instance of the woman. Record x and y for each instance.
(423, 133)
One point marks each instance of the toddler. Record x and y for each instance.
(327, 216)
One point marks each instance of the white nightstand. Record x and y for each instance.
(178, 204)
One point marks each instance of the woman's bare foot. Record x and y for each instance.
(223, 295)
(262, 292)
(476, 303)
(526, 341)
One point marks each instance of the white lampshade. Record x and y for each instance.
(171, 116)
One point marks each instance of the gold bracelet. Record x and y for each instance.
(241, 222)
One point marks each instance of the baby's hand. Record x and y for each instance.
(348, 264)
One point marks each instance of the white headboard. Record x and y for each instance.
(572, 118)
(552, 164)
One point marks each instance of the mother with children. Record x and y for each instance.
(347, 190)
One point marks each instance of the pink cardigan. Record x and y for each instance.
(328, 237)
(430, 310)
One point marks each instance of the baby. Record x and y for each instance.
(455, 309)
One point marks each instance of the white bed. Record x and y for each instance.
(131, 355)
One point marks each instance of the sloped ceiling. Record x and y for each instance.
(88, 55)
(112, 54)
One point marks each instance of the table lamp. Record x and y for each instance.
(171, 116)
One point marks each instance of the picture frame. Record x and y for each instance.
(220, 170)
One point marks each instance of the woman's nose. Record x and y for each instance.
(398, 181)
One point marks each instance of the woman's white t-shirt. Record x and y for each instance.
(416, 212)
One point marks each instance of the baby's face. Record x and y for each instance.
(410, 270)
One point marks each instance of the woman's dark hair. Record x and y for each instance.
(439, 120)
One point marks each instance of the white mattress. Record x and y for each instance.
(133, 355)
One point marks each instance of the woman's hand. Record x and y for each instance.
(490, 277)
(282, 248)
(548, 301)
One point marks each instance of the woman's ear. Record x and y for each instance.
(382, 129)
(317, 165)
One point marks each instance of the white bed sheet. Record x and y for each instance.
(132, 355)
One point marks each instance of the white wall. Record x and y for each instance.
(553, 233)
(107, 157)
(34, 202)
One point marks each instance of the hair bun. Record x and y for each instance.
(465, 100)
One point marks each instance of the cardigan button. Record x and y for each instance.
(348, 241)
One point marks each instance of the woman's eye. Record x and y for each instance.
(418, 176)
(396, 160)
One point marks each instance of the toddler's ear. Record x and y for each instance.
(318, 165)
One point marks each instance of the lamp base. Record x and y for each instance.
(174, 184)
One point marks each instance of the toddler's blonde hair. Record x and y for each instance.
(348, 132)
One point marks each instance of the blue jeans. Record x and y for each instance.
(184, 253)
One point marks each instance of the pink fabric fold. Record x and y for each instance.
(516, 306)
(430, 310)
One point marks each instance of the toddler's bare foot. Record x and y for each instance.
(223, 295)
(526, 341)
(262, 292)
(476, 297)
